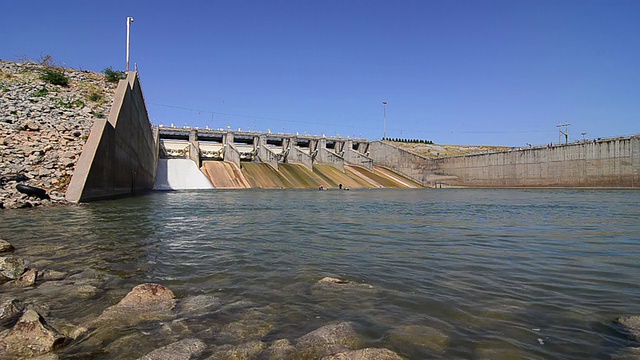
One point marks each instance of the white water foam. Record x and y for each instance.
(180, 174)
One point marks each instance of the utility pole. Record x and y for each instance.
(384, 109)
(565, 133)
(129, 21)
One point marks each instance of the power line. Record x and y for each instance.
(347, 126)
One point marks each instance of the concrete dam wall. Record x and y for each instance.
(601, 163)
(120, 156)
(242, 160)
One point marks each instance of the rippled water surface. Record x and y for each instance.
(497, 273)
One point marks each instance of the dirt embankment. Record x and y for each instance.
(43, 127)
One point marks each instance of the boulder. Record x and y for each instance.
(30, 336)
(365, 354)
(5, 246)
(11, 267)
(148, 297)
(245, 330)
(182, 350)
(28, 278)
(51, 275)
(279, 350)
(632, 325)
(246, 351)
(144, 302)
(10, 310)
(327, 340)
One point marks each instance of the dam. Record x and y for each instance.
(242, 160)
(126, 154)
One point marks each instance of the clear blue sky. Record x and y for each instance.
(455, 72)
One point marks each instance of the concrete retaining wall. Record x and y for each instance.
(297, 156)
(355, 158)
(605, 163)
(120, 156)
(327, 157)
(267, 156)
(231, 154)
(413, 166)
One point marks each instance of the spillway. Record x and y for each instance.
(180, 174)
(224, 175)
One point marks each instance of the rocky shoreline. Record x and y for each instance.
(43, 128)
(31, 329)
(152, 322)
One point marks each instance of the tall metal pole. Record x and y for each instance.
(129, 21)
(565, 133)
(384, 129)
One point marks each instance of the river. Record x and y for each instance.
(485, 273)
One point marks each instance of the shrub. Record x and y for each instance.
(64, 104)
(41, 92)
(113, 75)
(95, 93)
(95, 97)
(55, 76)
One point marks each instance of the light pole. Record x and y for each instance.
(129, 21)
(583, 136)
(384, 129)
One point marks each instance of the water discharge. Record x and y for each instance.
(180, 174)
(469, 274)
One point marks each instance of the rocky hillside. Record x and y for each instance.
(44, 126)
(440, 151)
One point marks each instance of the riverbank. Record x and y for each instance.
(32, 298)
(43, 127)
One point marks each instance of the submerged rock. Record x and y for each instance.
(341, 283)
(418, 335)
(343, 292)
(144, 302)
(327, 340)
(632, 353)
(51, 275)
(245, 330)
(246, 351)
(632, 325)
(500, 350)
(30, 336)
(5, 246)
(199, 304)
(182, 350)
(365, 354)
(279, 350)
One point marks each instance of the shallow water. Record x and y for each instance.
(494, 273)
